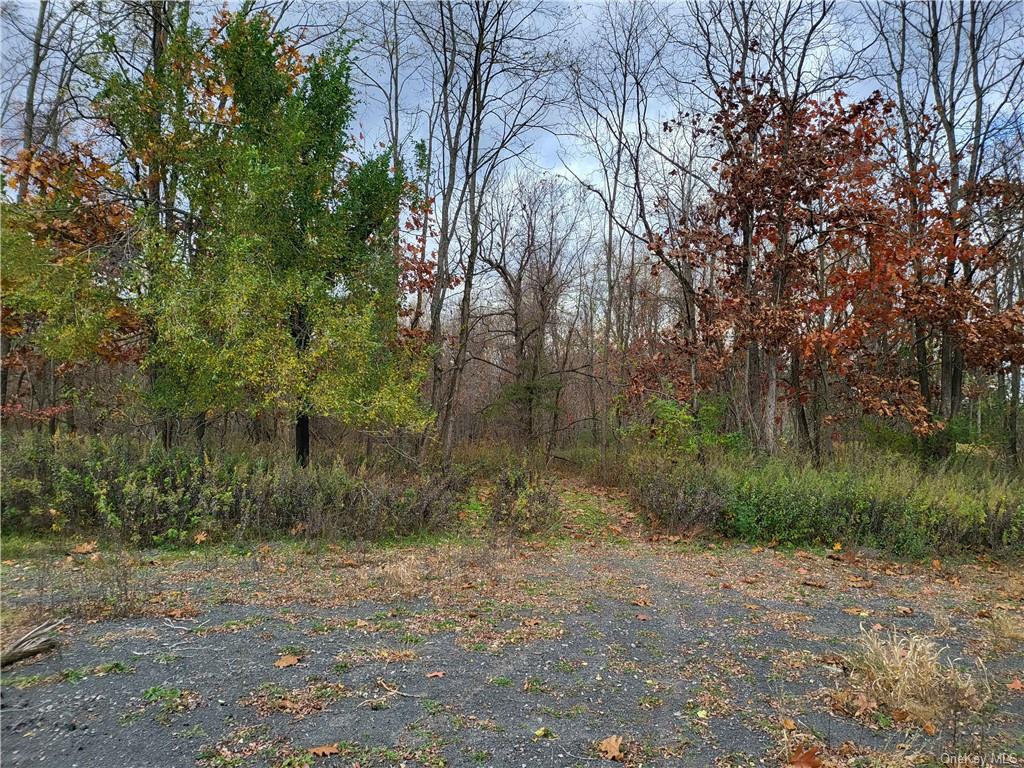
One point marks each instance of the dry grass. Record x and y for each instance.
(101, 586)
(403, 576)
(907, 675)
(942, 624)
(1007, 631)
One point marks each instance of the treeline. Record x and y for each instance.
(416, 226)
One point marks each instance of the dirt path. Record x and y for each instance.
(458, 653)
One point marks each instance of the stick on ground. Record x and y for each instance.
(33, 642)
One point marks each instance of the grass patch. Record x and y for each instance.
(1006, 630)
(907, 675)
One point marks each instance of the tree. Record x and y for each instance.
(264, 275)
(815, 252)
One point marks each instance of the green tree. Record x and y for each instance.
(277, 288)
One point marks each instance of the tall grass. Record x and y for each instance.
(862, 497)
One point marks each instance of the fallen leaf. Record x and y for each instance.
(286, 661)
(200, 537)
(805, 757)
(789, 724)
(544, 733)
(864, 704)
(611, 748)
(325, 751)
(1015, 685)
(837, 546)
(929, 728)
(849, 749)
(531, 622)
(86, 548)
(814, 583)
(642, 617)
(937, 564)
(904, 610)
(862, 612)
(439, 673)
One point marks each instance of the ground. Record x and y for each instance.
(465, 651)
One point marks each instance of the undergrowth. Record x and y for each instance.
(140, 494)
(873, 499)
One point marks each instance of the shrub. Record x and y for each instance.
(677, 503)
(145, 494)
(879, 500)
(521, 505)
(678, 432)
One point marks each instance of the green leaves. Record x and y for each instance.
(287, 298)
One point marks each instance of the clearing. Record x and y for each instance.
(459, 651)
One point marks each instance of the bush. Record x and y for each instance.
(521, 505)
(145, 494)
(680, 503)
(878, 500)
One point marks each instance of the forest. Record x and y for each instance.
(498, 304)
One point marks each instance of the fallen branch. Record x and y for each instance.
(33, 642)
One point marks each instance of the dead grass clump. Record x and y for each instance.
(1007, 631)
(402, 576)
(907, 675)
(299, 702)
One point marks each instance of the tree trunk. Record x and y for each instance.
(28, 127)
(302, 439)
(300, 335)
(1014, 421)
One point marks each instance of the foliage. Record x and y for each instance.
(522, 505)
(142, 494)
(677, 432)
(861, 498)
(254, 265)
(826, 262)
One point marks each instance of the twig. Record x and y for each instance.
(389, 689)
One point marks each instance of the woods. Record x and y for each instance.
(410, 233)
(512, 383)
(520, 232)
